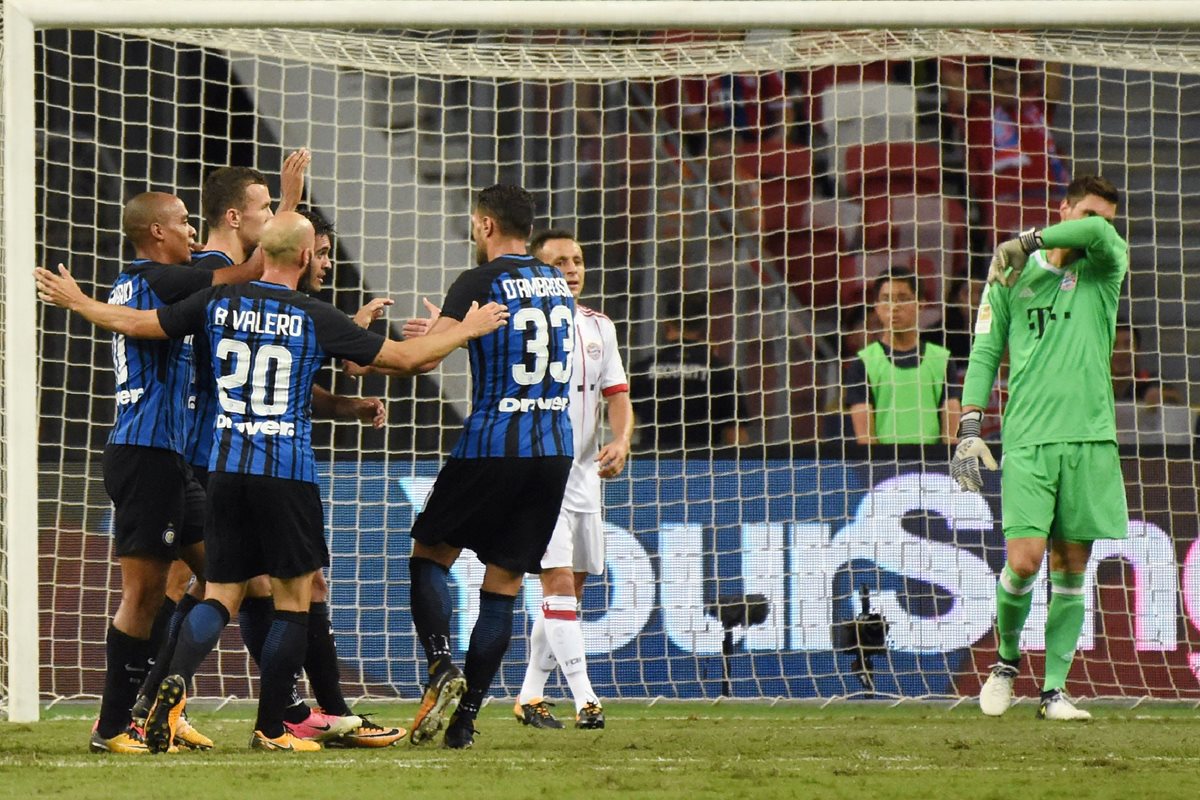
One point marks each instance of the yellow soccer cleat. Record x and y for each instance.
(187, 736)
(128, 742)
(446, 686)
(287, 743)
(163, 722)
(368, 734)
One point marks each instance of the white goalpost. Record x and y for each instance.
(764, 161)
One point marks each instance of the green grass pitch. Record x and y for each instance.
(668, 750)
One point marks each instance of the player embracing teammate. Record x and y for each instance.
(500, 492)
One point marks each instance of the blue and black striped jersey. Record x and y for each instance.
(153, 377)
(521, 373)
(267, 343)
(202, 402)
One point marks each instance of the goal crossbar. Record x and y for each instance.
(613, 14)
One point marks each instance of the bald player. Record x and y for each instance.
(144, 470)
(264, 513)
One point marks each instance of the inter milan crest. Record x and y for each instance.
(1068, 282)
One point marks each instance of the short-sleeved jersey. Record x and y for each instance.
(1058, 325)
(202, 402)
(267, 343)
(152, 377)
(521, 372)
(598, 373)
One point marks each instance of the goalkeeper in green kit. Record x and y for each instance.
(1051, 300)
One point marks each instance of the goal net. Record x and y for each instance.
(745, 188)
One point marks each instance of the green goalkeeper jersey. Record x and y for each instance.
(1058, 325)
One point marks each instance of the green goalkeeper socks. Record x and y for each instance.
(1064, 621)
(1014, 595)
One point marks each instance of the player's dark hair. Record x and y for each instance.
(539, 239)
(225, 188)
(510, 206)
(1084, 185)
(900, 275)
(321, 225)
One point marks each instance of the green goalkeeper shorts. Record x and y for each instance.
(1072, 491)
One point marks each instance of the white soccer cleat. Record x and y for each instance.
(997, 693)
(1058, 707)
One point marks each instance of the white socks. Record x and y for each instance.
(541, 663)
(557, 637)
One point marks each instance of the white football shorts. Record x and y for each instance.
(577, 542)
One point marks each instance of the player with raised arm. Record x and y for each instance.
(500, 491)
(264, 510)
(144, 470)
(236, 204)
(577, 546)
(1051, 301)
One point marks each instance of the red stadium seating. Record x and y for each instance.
(906, 220)
(805, 245)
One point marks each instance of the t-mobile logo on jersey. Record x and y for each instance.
(1041, 317)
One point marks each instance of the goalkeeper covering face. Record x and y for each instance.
(1051, 300)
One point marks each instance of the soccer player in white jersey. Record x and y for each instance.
(577, 546)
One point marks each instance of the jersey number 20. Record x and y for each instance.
(538, 345)
(272, 364)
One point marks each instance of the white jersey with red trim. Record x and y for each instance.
(598, 372)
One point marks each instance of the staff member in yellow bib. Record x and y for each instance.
(896, 389)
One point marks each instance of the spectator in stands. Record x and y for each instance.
(1131, 384)
(1014, 169)
(685, 397)
(961, 301)
(897, 389)
(755, 108)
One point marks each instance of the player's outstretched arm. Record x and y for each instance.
(611, 458)
(291, 179)
(419, 327)
(369, 410)
(371, 311)
(60, 289)
(414, 356)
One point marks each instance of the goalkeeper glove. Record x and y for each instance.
(964, 467)
(1010, 257)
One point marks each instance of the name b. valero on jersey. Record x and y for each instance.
(265, 323)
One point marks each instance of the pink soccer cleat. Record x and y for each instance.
(321, 727)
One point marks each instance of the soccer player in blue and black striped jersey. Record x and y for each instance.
(236, 205)
(264, 511)
(144, 471)
(500, 492)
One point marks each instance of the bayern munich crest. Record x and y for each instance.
(1068, 282)
(594, 350)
